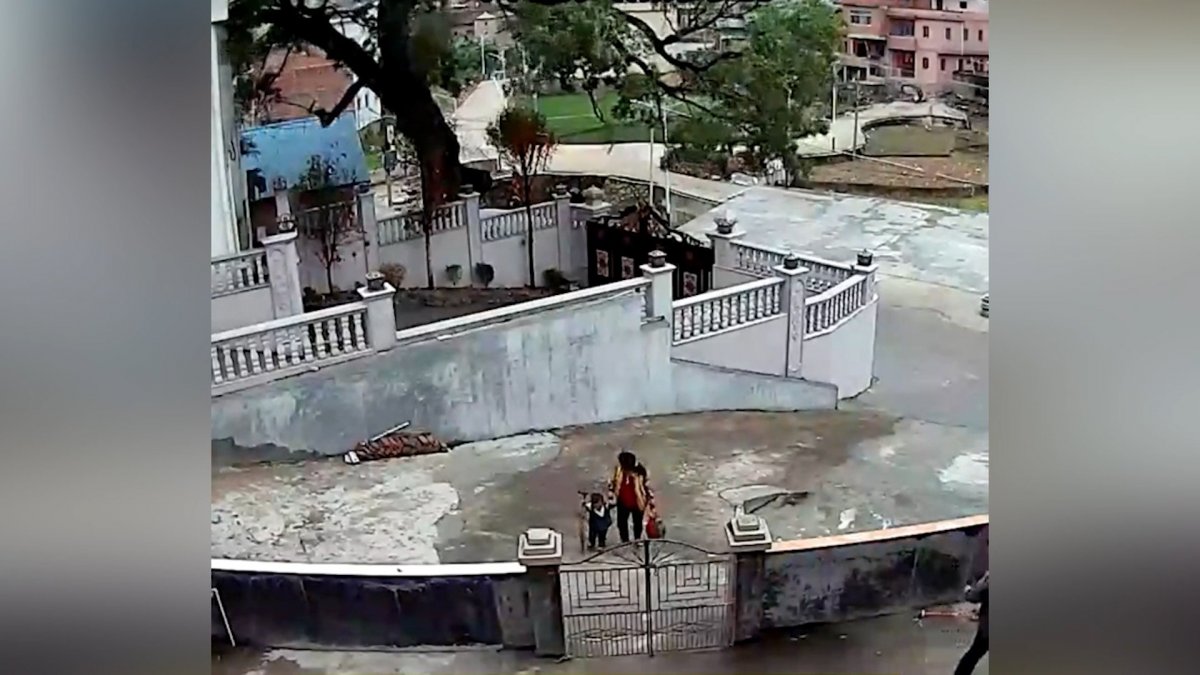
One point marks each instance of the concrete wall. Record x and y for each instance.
(844, 355)
(507, 256)
(579, 358)
(372, 606)
(242, 309)
(759, 347)
(510, 258)
(864, 574)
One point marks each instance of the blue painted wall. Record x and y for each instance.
(285, 149)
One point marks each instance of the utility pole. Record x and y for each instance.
(854, 146)
(833, 109)
(662, 111)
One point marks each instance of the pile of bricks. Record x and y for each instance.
(398, 444)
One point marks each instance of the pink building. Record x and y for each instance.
(926, 42)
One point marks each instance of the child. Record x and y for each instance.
(599, 513)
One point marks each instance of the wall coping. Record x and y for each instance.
(875, 536)
(291, 321)
(367, 570)
(491, 316)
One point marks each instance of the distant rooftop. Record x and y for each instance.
(284, 150)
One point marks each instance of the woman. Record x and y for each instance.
(628, 489)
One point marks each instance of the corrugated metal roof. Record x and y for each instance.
(285, 150)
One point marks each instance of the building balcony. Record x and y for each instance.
(907, 43)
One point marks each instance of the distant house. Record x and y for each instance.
(306, 78)
(279, 157)
(279, 162)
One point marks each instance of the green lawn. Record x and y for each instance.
(571, 118)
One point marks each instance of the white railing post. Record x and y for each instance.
(381, 312)
(562, 227)
(370, 225)
(470, 205)
(866, 267)
(283, 270)
(660, 295)
(724, 258)
(792, 300)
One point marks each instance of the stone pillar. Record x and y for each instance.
(725, 272)
(381, 312)
(562, 227)
(749, 539)
(283, 270)
(470, 200)
(792, 297)
(539, 549)
(660, 296)
(580, 215)
(370, 226)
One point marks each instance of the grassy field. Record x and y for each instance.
(571, 118)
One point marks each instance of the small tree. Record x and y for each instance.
(521, 137)
(333, 223)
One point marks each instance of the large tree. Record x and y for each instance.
(761, 103)
(403, 43)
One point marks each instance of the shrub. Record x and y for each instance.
(393, 273)
(485, 273)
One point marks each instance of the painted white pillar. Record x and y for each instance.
(660, 296)
(725, 270)
(470, 206)
(370, 226)
(381, 312)
(793, 297)
(562, 227)
(283, 270)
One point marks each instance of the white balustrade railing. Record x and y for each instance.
(297, 343)
(826, 310)
(239, 272)
(406, 226)
(726, 308)
(758, 260)
(513, 222)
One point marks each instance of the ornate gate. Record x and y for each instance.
(646, 597)
(618, 245)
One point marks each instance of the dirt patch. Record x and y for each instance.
(416, 307)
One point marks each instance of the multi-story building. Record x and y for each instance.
(930, 43)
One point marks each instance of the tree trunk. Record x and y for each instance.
(529, 239)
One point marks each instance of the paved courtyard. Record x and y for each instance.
(809, 474)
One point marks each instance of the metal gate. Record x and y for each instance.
(618, 245)
(646, 597)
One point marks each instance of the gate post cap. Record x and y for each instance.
(746, 533)
(658, 258)
(725, 222)
(539, 546)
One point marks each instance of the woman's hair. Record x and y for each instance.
(640, 470)
(626, 460)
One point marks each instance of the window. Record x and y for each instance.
(902, 28)
(942, 64)
(924, 31)
(981, 35)
(924, 63)
(962, 4)
(947, 32)
(860, 18)
(960, 64)
(966, 34)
